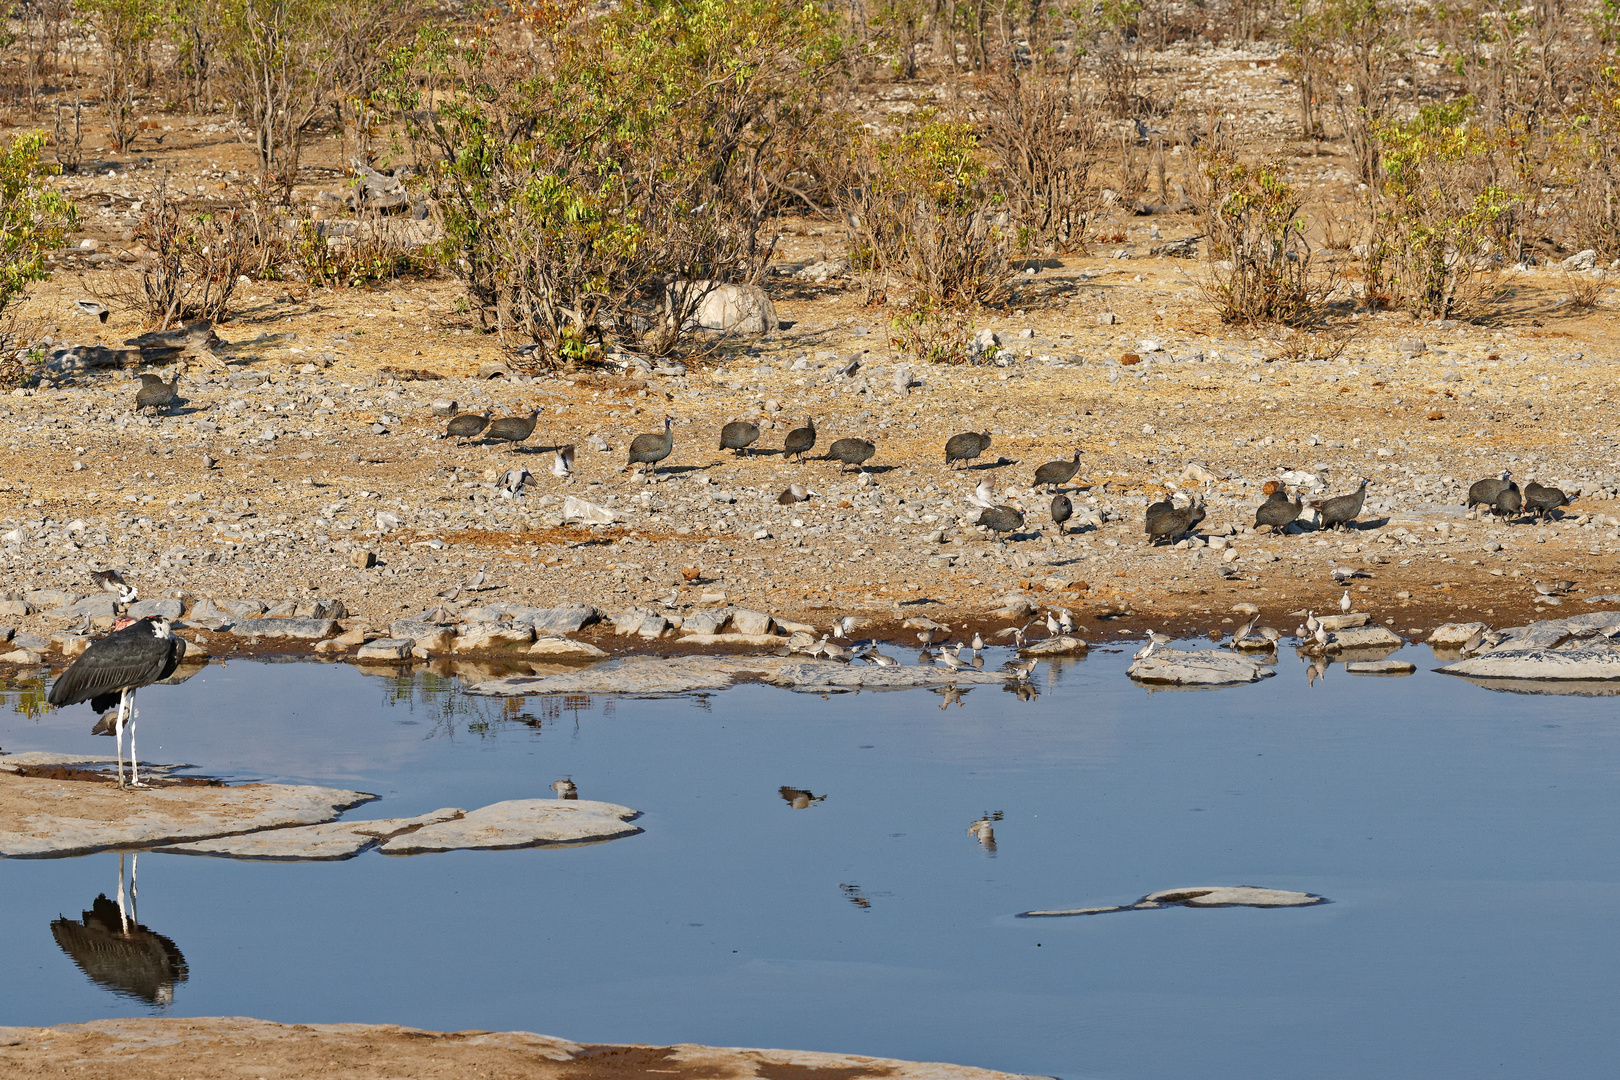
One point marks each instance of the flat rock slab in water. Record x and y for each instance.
(660, 676)
(1062, 645)
(1585, 664)
(1181, 667)
(63, 817)
(1202, 897)
(1364, 637)
(230, 1048)
(1380, 667)
(331, 841)
(519, 823)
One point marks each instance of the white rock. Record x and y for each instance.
(1364, 637)
(1452, 633)
(476, 637)
(1380, 667)
(386, 649)
(1062, 645)
(741, 309)
(1182, 667)
(749, 621)
(1587, 663)
(64, 817)
(333, 840)
(1207, 896)
(576, 509)
(648, 676)
(565, 648)
(519, 823)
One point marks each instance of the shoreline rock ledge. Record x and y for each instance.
(652, 676)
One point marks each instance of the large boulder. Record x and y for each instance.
(519, 823)
(568, 619)
(1184, 667)
(1585, 663)
(1364, 637)
(709, 305)
(1453, 634)
(297, 629)
(483, 637)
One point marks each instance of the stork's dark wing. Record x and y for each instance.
(177, 652)
(133, 656)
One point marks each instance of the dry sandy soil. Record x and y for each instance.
(227, 1048)
(309, 454)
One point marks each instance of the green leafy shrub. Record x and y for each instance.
(582, 167)
(1260, 261)
(921, 208)
(1444, 213)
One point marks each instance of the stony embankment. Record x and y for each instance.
(301, 477)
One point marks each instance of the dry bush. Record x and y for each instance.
(1041, 135)
(1260, 261)
(370, 247)
(195, 260)
(920, 208)
(1584, 290)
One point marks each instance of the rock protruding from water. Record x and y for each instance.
(1585, 663)
(519, 823)
(1455, 633)
(1380, 667)
(1358, 638)
(1209, 896)
(329, 842)
(666, 676)
(40, 818)
(1184, 667)
(1062, 645)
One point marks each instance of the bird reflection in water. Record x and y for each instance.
(799, 800)
(1022, 690)
(984, 831)
(117, 952)
(855, 895)
(951, 695)
(565, 789)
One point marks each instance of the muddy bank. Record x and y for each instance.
(226, 1048)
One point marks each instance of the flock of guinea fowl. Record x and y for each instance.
(1165, 521)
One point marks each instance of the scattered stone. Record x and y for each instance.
(362, 558)
(1455, 633)
(519, 823)
(569, 619)
(1344, 622)
(297, 629)
(749, 621)
(1182, 667)
(706, 621)
(386, 649)
(565, 648)
(482, 637)
(576, 509)
(157, 608)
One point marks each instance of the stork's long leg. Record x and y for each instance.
(134, 762)
(135, 887)
(118, 734)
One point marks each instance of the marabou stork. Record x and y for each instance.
(110, 671)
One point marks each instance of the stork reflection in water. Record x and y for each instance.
(111, 946)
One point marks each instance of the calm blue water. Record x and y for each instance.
(1465, 837)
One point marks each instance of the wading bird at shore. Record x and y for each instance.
(110, 671)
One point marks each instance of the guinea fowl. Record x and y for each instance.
(738, 435)
(1165, 521)
(1542, 501)
(1001, 519)
(157, 394)
(1341, 510)
(1054, 473)
(1484, 492)
(1062, 511)
(849, 452)
(800, 440)
(1509, 502)
(467, 425)
(513, 429)
(649, 450)
(966, 446)
(1277, 511)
